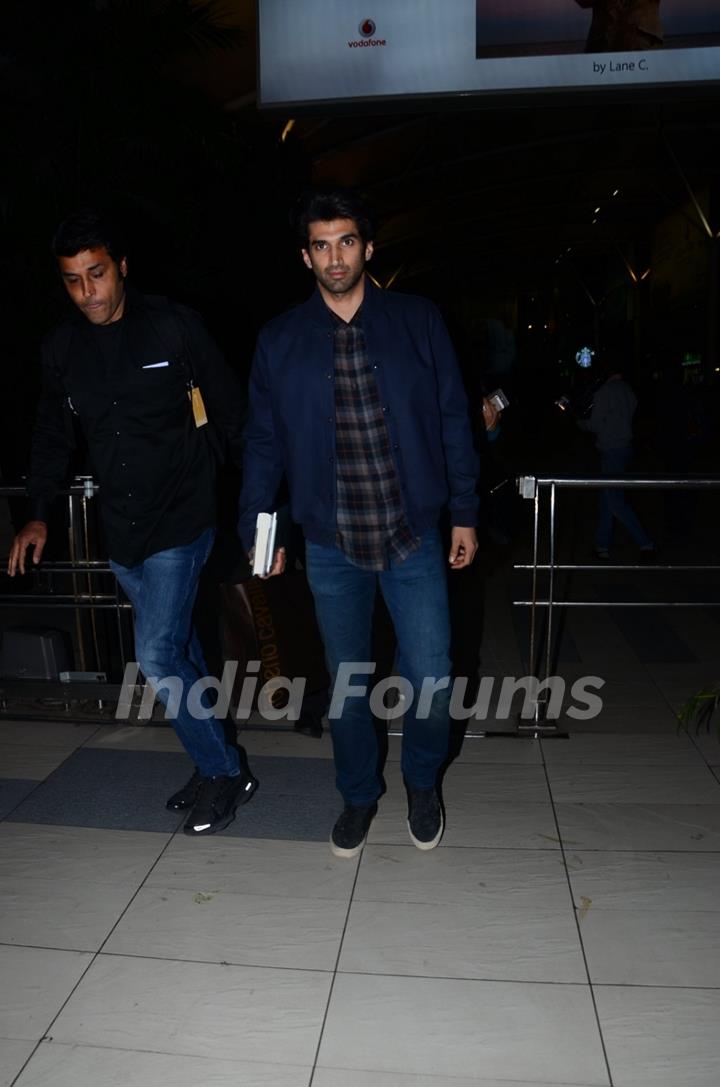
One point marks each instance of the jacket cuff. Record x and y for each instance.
(38, 509)
(464, 518)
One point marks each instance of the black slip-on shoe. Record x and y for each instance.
(351, 829)
(425, 818)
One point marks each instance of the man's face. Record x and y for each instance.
(96, 284)
(336, 254)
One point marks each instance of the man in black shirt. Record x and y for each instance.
(137, 372)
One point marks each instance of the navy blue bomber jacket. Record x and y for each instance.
(291, 424)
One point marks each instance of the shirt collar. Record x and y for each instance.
(322, 315)
(354, 322)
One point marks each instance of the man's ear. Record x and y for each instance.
(306, 258)
(123, 266)
(369, 250)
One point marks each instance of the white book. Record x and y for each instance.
(265, 528)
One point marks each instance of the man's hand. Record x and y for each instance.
(278, 565)
(34, 535)
(463, 547)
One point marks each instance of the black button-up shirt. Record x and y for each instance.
(127, 386)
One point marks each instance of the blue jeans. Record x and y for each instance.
(614, 462)
(415, 592)
(162, 591)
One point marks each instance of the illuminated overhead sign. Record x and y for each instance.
(352, 50)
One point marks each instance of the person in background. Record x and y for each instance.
(610, 421)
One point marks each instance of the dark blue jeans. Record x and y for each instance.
(614, 462)
(162, 591)
(415, 592)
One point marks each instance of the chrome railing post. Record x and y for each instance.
(531, 487)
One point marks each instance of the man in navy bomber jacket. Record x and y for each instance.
(356, 398)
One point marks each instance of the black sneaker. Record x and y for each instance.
(216, 803)
(425, 818)
(349, 833)
(185, 798)
(309, 724)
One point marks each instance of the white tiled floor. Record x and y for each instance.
(565, 934)
(452, 1027)
(660, 1036)
(210, 1009)
(65, 887)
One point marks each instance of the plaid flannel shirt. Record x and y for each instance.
(372, 526)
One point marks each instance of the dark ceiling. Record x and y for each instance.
(499, 194)
(506, 193)
(149, 108)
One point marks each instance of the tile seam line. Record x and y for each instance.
(465, 981)
(596, 1010)
(346, 973)
(410, 1076)
(232, 1061)
(93, 960)
(362, 973)
(336, 967)
(225, 963)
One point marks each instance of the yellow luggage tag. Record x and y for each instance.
(198, 406)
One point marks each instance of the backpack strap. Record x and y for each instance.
(62, 341)
(171, 328)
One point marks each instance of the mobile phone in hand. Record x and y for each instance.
(499, 400)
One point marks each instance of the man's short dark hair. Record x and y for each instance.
(324, 205)
(87, 229)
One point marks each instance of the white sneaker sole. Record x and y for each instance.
(347, 853)
(433, 842)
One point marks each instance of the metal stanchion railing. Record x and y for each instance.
(85, 597)
(532, 488)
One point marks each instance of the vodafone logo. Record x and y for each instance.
(368, 40)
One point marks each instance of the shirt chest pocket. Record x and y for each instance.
(151, 393)
(163, 371)
(157, 388)
(157, 377)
